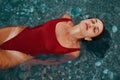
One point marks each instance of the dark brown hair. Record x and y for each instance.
(99, 45)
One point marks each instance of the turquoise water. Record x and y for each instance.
(99, 60)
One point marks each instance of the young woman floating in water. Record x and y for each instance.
(58, 36)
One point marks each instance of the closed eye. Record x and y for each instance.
(93, 21)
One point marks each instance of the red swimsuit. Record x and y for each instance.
(38, 40)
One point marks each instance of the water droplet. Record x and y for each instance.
(69, 62)
(114, 29)
(105, 71)
(22, 13)
(97, 63)
(39, 18)
(63, 79)
(43, 7)
(35, 1)
(31, 9)
(69, 77)
(63, 73)
(17, 13)
(32, 79)
(111, 75)
(76, 11)
(85, 16)
(78, 76)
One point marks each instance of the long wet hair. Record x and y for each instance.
(99, 45)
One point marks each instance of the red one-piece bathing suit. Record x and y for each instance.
(38, 40)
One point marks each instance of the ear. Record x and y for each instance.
(88, 38)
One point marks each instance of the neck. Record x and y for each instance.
(75, 32)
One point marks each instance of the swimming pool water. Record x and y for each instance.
(101, 61)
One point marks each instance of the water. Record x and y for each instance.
(100, 61)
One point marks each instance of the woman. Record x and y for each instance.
(59, 36)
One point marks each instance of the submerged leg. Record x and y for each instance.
(10, 58)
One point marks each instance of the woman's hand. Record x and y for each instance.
(51, 61)
(27, 65)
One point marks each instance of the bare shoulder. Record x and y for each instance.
(69, 17)
(66, 16)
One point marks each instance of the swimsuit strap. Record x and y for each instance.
(68, 49)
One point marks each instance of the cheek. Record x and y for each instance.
(90, 33)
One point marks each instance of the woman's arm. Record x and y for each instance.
(69, 56)
(51, 61)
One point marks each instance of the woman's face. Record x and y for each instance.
(91, 27)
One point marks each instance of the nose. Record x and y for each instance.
(93, 25)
